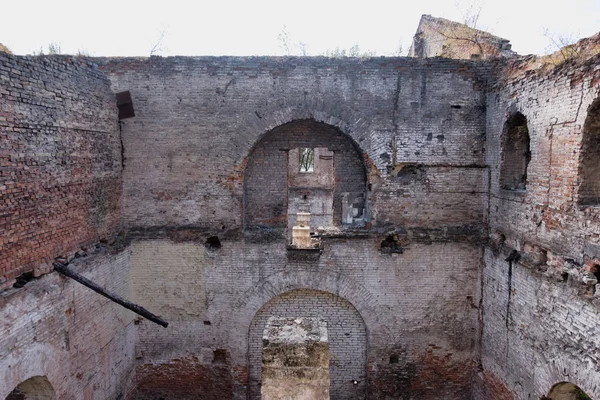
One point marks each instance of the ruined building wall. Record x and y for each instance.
(60, 180)
(82, 342)
(60, 185)
(541, 311)
(417, 130)
(197, 120)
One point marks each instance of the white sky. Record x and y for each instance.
(237, 27)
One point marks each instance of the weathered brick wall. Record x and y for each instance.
(82, 342)
(60, 161)
(197, 120)
(432, 156)
(419, 309)
(419, 129)
(543, 308)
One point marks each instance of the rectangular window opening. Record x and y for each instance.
(307, 160)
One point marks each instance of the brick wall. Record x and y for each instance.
(420, 307)
(198, 120)
(82, 342)
(540, 316)
(60, 162)
(206, 127)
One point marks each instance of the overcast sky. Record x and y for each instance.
(252, 27)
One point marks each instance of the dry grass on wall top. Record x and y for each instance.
(5, 49)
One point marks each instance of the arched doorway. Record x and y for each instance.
(567, 391)
(36, 388)
(347, 339)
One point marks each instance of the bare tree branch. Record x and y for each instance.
(156, 46)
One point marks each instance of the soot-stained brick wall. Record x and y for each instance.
(544, 303)
(346, 333)
(410, 133)
(443, 306)
(197, 120)
(60, 161)
(82, 342)
(419, 310)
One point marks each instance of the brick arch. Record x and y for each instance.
(344, 118)
(578, 371)
(325, 281)
(39, 360)
(346, 332)
(267, 182)
(566, 391)
(352, 123)
(516, 152)
(34, 388)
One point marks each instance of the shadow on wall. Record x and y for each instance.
(36, 388)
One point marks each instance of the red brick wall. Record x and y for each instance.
(184, 379)
(60, 161)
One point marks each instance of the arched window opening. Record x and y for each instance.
(515, 153)
(36, 388)
(589, 172)
(303, 165)
(566, 391)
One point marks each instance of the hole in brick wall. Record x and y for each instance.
(455, 106)
(589, 170)
(207, 323)
(515, 153)
(390, 244)
(23, 279)
(596, 271)
(394, 359)
(219, 356)
(564, 276)
(213, 243)
(307, 160)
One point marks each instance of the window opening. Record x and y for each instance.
(307, 160)
(516, 153)
(589, 189)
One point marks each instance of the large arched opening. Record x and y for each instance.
(347, 335)
(589, 170)
(304, 161)
(567, 391)
(35, 388)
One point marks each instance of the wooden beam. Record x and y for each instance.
(117, 299)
